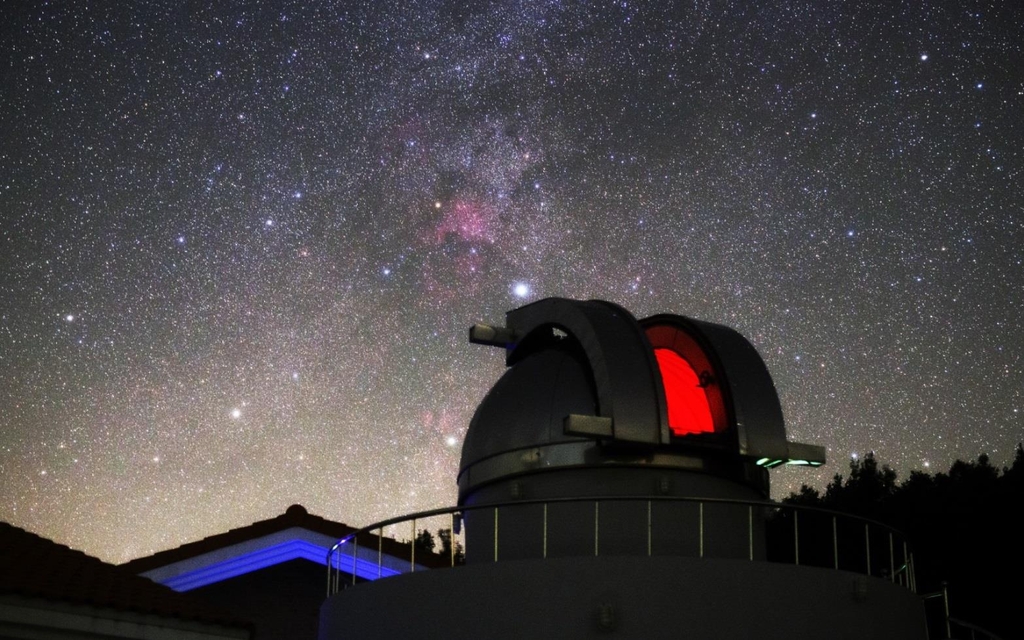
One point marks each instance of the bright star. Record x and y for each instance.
(521, 289)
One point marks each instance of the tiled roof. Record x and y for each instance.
(295, 516)
(34, 567)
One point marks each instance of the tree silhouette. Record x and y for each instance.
(425, 542)
(865, 491)
(445, 536)
(964, 526)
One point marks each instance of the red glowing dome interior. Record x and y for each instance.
(688, 408)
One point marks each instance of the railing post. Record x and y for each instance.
(380, 551)
(835, 543)
(545, 548)
(867, 546)
(892, 560)
(750, 530)
(451, 535)
(597, 507)
(945, 603)
(701, 526)
(495, 534)
(412, 551)
(906, 564)
(796, 537)
(330, 553)
(355, 552)
(648, 528)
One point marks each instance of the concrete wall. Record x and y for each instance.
(627, 598)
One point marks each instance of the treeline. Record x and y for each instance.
(426, 542)
(966, 527)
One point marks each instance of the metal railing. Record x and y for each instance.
(967, 630)
(776, 532)
(964, 629)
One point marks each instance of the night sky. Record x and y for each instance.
(241, 245)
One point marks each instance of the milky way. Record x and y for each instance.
(241, 245)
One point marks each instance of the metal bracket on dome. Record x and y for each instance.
(494, 336)
(805, 454)
(588, 426)
(797, 454)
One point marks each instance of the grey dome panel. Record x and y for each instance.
(621, 362)
(526, 407)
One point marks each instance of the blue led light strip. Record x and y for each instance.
(268, 557)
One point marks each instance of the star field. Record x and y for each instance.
(241, 243)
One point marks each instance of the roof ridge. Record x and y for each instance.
(294, 516)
